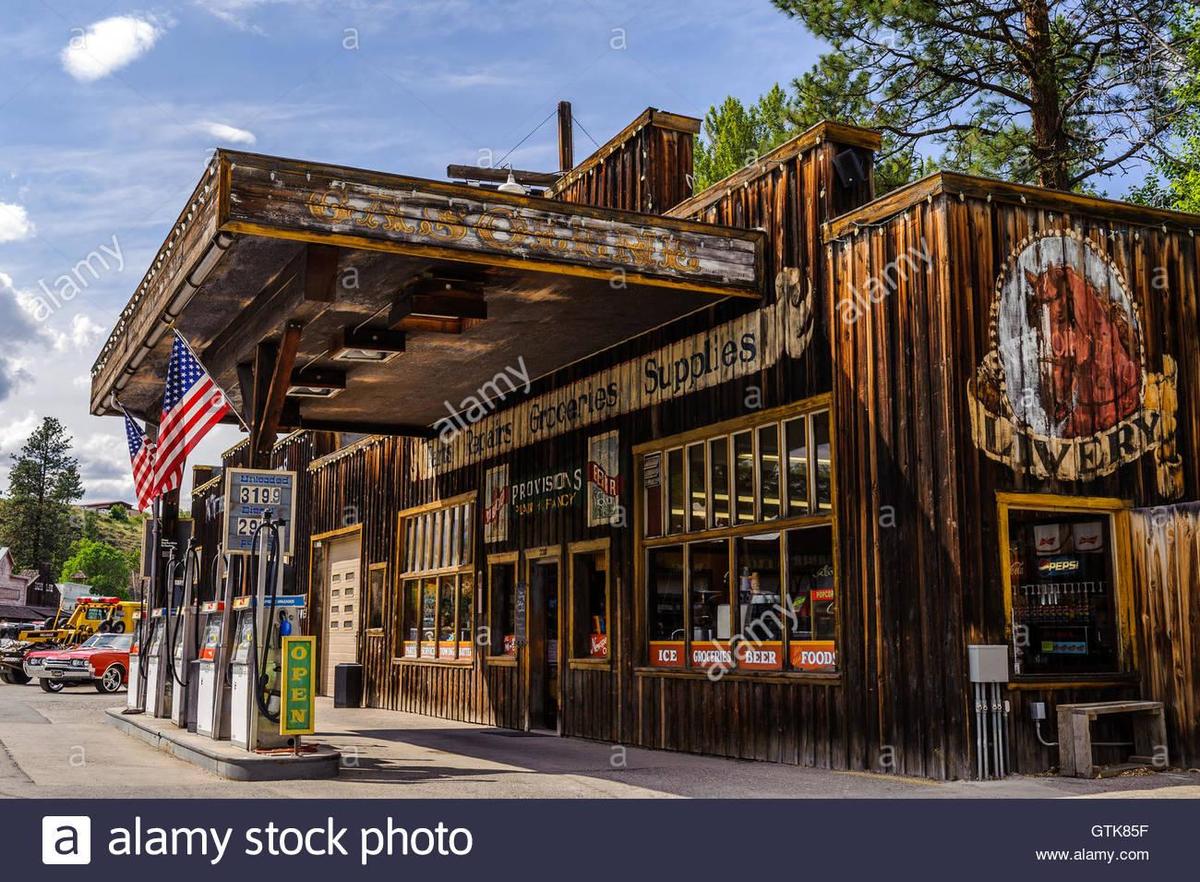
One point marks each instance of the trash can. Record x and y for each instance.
(347, 685)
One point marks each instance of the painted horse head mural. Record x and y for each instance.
(1089, 375)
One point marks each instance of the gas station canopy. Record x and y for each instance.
(351, 300)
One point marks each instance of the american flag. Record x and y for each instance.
(141, 455)
(192, 404)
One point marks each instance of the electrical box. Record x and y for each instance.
(988, 664)
(1037, 710)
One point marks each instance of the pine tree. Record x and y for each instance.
(42, 484)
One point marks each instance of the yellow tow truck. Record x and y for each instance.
(90, 615)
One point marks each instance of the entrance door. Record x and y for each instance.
(341, 607)
(545, 649)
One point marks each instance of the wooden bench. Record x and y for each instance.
(1075, 736)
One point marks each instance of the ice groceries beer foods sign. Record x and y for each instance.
(738, 348)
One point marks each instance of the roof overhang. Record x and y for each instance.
(265, 242)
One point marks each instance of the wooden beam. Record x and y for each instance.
(500, 175)
(304, 289)
(566, 137)
(266, 416)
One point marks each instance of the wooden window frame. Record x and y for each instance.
(590, 546)
(434, 544)
(808, 409)
(504, 558)
(1118, 513)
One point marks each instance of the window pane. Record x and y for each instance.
(411, 630)
(1064, 613)
(760, 640)
(468, 521)
(675, 502)
(376, 579)
(418, 561)
(768, 471)
(824, 452)
(797, 466)
(447, 603)
(429, 618)
(718, 466)
(743, 476)
(503, 627)
(664, 589)
(811, 590)
(652, 482)
(466, 621)
(697, 488)
(589, 608)
(409, 549)
(710, 598)
(446, 517)
(455, 536)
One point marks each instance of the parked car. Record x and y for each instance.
(102, 660)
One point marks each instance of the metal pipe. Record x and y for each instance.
(1004, 733)
(980, 751)
(1037, 725)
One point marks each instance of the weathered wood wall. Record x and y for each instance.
(912, 280)
(646, 167)
(1166, 564)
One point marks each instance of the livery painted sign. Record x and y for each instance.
(1066, 392)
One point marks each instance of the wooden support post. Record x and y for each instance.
(273, 365)
(566, 137)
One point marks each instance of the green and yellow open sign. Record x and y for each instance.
(298, 714)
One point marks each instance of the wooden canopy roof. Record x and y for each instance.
(305, 259)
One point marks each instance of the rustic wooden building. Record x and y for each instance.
(742, 473)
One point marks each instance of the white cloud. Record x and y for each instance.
(81, 335)
(228, 134)
(14, 223)
(14, 433)
(109, 45)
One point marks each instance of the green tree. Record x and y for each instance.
(42, 484)
(118, 514)
(1054, 92)
(735, 135)
(91, 525)
(1176, 181)
(105, 567)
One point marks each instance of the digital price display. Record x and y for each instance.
(249, 493)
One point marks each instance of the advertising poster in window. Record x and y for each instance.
(604, 479)
(496, 504)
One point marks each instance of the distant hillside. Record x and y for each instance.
(126, 535)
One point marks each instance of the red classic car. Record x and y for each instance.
(102, 659)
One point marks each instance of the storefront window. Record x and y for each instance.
(697, 488)
(796, 438)
(376, 580)
(760, 579)
(824, 461)
(727, 593)
(1064, 613)
(466, 622)
(768, 472)
(502, 583)
(718, 465)
(743, 476)
(412, 607)
(813, 619)
(664, 589)
(446, 609)
(429, 618)
(711, 603)
(589, 604)
(675, 500)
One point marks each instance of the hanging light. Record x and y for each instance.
(511, 185)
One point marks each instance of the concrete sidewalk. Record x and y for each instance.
(61, 746)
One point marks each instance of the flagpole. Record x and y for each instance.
(189, 348)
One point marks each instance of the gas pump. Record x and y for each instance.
(263, 619)
(213, 685)
(135, 696)
(183, 636)
(158, 684)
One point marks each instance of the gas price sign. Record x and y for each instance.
(249, 493)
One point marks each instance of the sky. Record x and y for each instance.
(109, 111)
